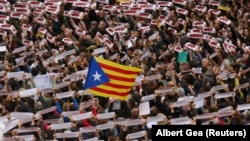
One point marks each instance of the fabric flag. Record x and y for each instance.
(109, 79)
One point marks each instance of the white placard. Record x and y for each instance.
(180, 103)
(199, 102)
(243, 107)
(2, 48)
(49, 121)
(26, 130)
(69, 52)
(21, 115)
(48, 110)
(156, 118)
(28, 93)
(165, 90)
(223, 95)
(225, 114)
(87, 129)
(64, 94)
(147, 97)
(68, 113)
(144, 108)
(106, 115)
(196, 70)
(100, 50)
(11, 125)
(219, 87)
(180, 121)
(153, 77)
(67, 135)
(116, 105)
(66, 125)
(19, 49)
(43, 81)
(62, 85)
(206, 116)
(73, 60)
(109, 125)
(92, 139)
(245, 85)
(205, 94)
(136, 135)
(15, 74)
(81, 116)
(134, 122)
(186, 98)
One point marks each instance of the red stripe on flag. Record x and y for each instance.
(108, 67)
(109, 92)
(117, 86)
(132, 80)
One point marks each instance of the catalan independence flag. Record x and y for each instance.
(109, 79)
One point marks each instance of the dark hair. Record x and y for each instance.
(34, 71)
(43, 70)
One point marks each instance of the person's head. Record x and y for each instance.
(63, 27)
(205, 62)
(101, 25)
(101, 14)
(93, 24)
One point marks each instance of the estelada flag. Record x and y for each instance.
(109, 79)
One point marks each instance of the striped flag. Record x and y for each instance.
(109, 79)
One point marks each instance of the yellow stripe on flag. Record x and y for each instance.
(108, 95)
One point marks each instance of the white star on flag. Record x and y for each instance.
(97, 76)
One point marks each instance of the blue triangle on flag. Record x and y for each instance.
(96, 76)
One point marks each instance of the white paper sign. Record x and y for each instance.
(206, 116)
(106, 115)
(223, 95)
(67, 135)
(11, 125)
(64, 94)
(87, 129)
(81, 116)
(243, 107)
(144, 108)
(199, 102)
(134, 122)
(92, 139)
(156, 118)
(180, 103)
(136, 135)
(14, 74)
(153, 77)
(66, 125)
(180, 121)
(42, 81)
(68, 113)
(21, 115)
(2, 48)
(28, 93)
(147, 97)
(186, 98)
(26, 130)
(109, 125)
(48, 110)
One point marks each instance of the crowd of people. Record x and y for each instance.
(194, 56)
